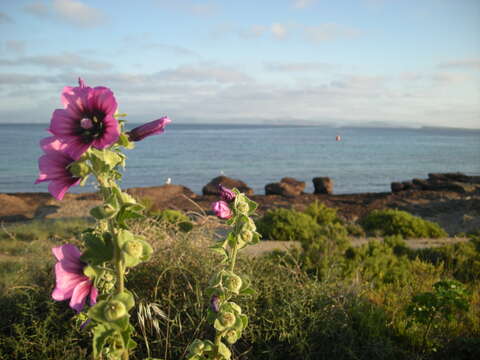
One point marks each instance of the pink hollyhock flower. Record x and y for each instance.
(71, 283)
(226, 194)
(53, 167)
(152, 128)
(221, 209)
(87, 119)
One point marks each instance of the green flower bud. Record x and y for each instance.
(246, 236)
(79, 169)
(197, 346)
(133, 248)
(227, 319)
(233, 282)
(231, 336)
(243, 207)
(115, 310)
(108, 277)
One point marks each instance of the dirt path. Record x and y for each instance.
(270, 245)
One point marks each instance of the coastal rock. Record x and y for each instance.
(286, 187)
(421, 184)
(445, 177)
(454, 186)
(396, 187)
(212, 187)
(407, 185)
(322, 185)
(160, 196)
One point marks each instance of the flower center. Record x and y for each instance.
(86, 123)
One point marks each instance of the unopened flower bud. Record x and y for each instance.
(226, 194)
(231, 336)
(79, 169)
(215, 303)
(197, 347)
(152, 128)
(222, 210)
(115, 310)
(227, 319)
(233, 283)
(133, 248)
(243, 207)
(246, 236)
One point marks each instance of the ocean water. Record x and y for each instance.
(365, 160)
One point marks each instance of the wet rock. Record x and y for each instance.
(420, 184)
(323, 185)
(407, 185)
(212, 187)
(286, 187)
(396, 187)
(158, 197)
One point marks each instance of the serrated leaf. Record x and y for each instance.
(101, 333)
(99, 249)
(248, 292)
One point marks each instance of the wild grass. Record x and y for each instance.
(355, 310)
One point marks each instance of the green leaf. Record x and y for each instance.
(105, 160)
(224, 351)
(101, 333)
(125, 142)
(248, 291)
(125, 297)
(97, 312)
(99, 248)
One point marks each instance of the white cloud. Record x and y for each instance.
(5, 18)
(218, 74)
(278, 30)
(65, 61)
(15, 46)
(461, 64)
(329, 32)
(254, 31)
(205, 8)
(206, 92)
(298, 66)
(39, 9)
(72, 12)
(301, 4)
(78, 13)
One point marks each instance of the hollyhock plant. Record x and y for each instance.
(87, 118)
(71, 283)
(152, 128)
(54, 166)
(89, 141)
(221, 209)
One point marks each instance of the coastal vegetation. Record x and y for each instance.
(329, 299)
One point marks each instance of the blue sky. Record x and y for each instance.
(386, 62)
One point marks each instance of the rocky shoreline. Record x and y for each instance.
(450, 199)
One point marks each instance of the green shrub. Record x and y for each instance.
(174, 217)
(397, 222)
(460, 260)
(284, 224)
(322, 214)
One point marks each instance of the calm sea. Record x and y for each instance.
(365, 160)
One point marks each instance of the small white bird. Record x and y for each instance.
(221, 172)
(168, 181)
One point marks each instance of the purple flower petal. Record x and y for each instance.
(65, 283)
(80, 294)
(222, 210)
(93, 295)
(152, 128)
